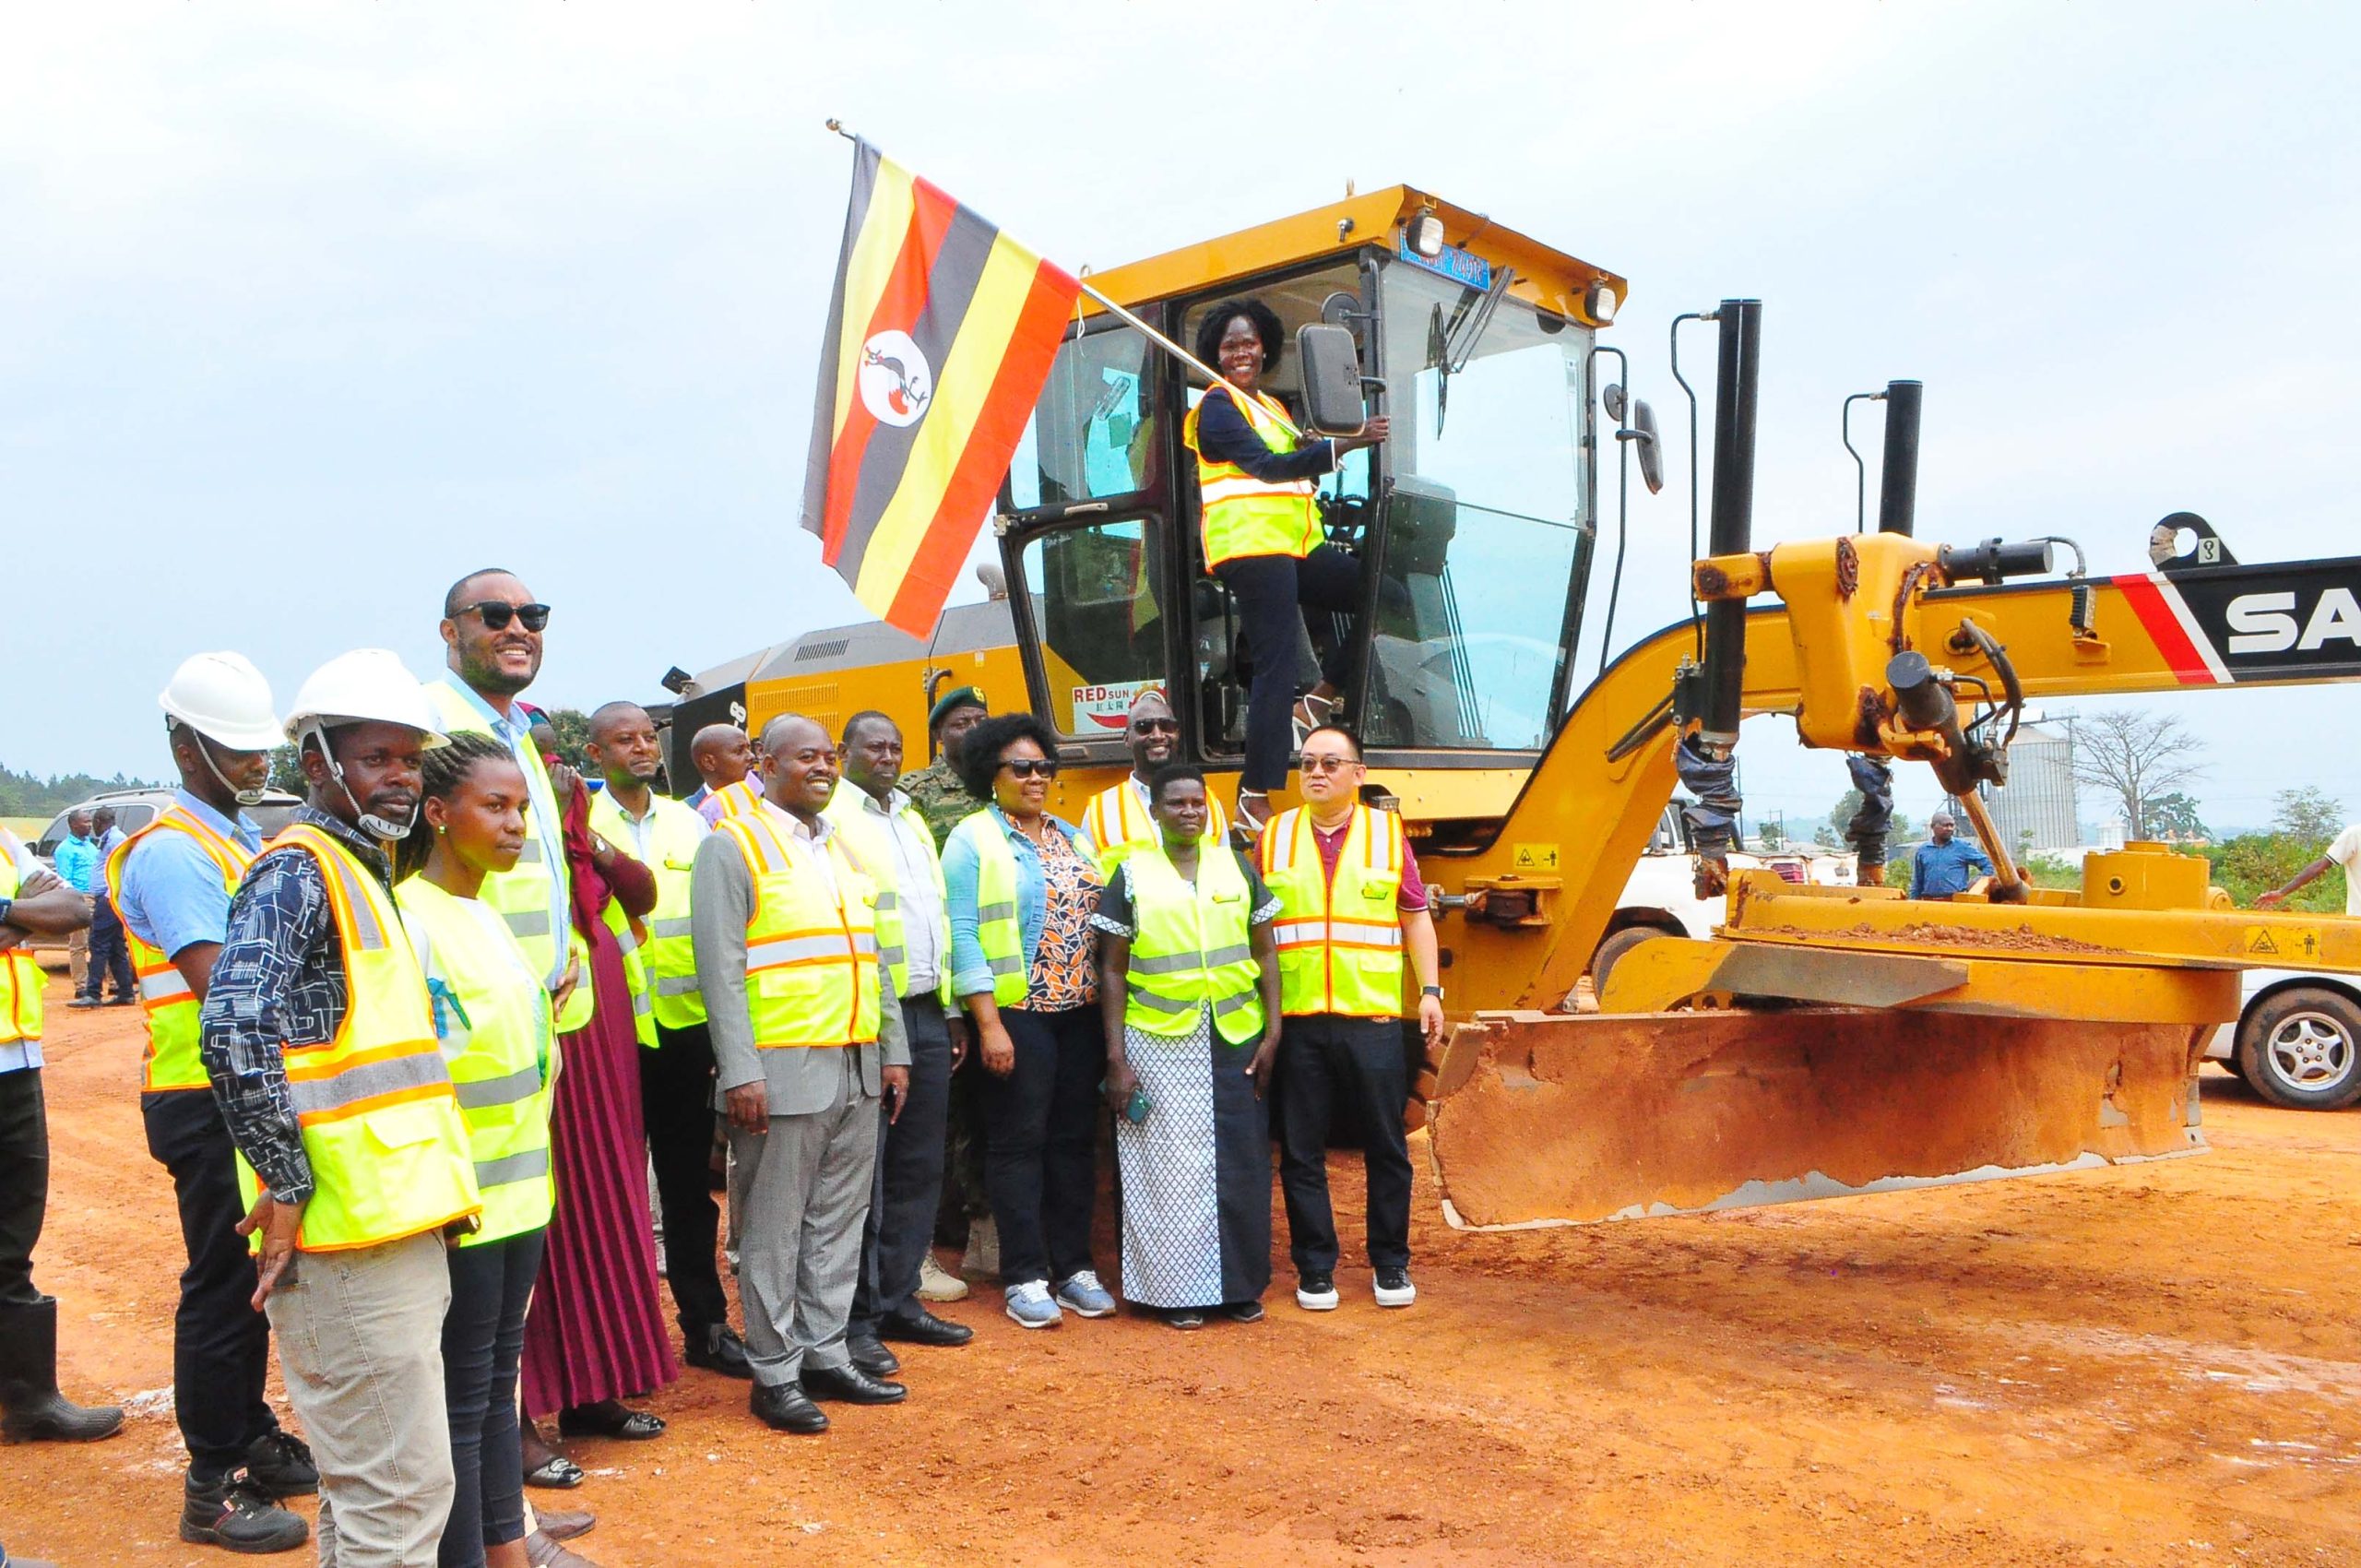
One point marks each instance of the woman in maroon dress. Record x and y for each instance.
(596, 1330)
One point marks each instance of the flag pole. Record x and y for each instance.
(1175, 350)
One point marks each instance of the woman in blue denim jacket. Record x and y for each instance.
(1043, 1055)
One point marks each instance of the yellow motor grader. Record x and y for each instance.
(1825, 1040)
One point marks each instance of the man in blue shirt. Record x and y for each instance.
(108, 956)
(1943, 868)
(77, 866)
(173, 885)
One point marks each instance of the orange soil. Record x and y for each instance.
(2151, 1364)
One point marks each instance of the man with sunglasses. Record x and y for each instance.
(1351, 903)
(493, 628)
(1117, 818)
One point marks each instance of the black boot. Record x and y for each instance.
(32, 1410)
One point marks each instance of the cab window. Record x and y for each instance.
(1097, 596)
(1092, 434)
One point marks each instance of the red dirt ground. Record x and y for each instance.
(2152, 1364)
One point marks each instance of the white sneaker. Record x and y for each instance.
(1316, 1292)
(1081, 1294)
(1394, 1287)
(935, 1284)
(1031, 1304)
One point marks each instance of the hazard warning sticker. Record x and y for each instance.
(2281, 944)
(1533, 857)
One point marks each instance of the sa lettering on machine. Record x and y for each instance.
(2265, 622)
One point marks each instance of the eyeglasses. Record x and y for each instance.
(1156, 726)
(1032, 767)
(1314, 763)
(495, 615)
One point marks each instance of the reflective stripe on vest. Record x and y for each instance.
(668, 960)
(643, 999)
(1118, 822)
(380, 1124)
(20, 978)
(1340, 938)
(1240, 515)
(492, 1014)
(1191, 946)
(998, 931)
(739, 798)
(171, 1061)
(870, 841)
(527, 893)
(812, 975)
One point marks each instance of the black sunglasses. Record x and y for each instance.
(1156, 726)
(496, 616)
(1032, 767)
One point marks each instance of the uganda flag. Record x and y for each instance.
(940, 335)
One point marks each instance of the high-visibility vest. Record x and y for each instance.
(522, 896)
(1244, 516)
(1191, 946)
(668, 960)
(1340, 938)
(380, 1125)
(997, 929)
(872, 843)
(492, 1014)
(811, 951)
(739, 798)
(1119, 823)
(171, 1062)
(20, 978)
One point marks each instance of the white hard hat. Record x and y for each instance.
(369, 685)
(223, 697)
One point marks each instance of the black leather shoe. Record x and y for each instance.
(871, 1356)
(922, 1327)
(716, 1348)
(784, 1407)
(852, 1385)
(237, 1514)
(282, 1465)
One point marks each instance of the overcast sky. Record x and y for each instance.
(308, 309)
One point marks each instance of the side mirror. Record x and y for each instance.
(1644, 426)
(1332, 379)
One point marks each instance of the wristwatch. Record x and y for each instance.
(1433, 991)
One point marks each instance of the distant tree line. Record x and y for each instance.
(28, 794)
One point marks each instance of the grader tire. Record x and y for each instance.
(1610, 952)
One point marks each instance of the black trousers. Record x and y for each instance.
(676, 1099)
(908, 1181)
(108, 953)
(24, 1183)
(220, 1344)
(1271, 591)
(1326, 1060)
(1041, 1142)
(483, 1341)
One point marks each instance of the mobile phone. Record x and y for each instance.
(1135, 1109)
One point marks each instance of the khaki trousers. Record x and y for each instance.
(77, 957)
(361, 1340)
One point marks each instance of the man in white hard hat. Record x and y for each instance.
(173, 881)
(318, 1038)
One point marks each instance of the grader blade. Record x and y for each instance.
(1545, 1119)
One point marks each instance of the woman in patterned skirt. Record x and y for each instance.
(1189, 989)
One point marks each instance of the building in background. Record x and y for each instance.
(2035, 813)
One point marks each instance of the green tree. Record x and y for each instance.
(2254, 864)
(26, 794)
(2309, 814)
(2174, 815)
(573, 727)
(1772, 836)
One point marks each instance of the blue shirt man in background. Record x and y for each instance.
(78, 854)
(1944, 867)
(108, 955)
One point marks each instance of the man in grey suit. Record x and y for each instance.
(803, 1117)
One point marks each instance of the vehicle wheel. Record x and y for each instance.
(1610, 952)
(2302, 1049)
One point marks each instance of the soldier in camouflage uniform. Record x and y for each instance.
(935, 789)
(964, 1219)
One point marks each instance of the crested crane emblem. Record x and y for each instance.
(897, 382)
